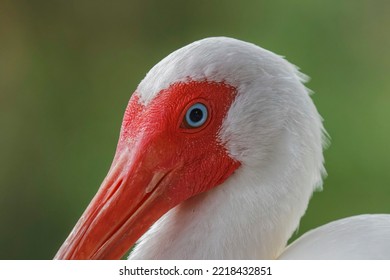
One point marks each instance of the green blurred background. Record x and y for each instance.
(67, 69)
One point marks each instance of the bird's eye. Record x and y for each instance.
(196, 115)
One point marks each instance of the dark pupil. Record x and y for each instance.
(196, 115)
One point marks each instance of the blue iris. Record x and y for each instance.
(196, 115)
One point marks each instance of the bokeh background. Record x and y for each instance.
(68, 68)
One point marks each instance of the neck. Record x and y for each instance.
(250, 216)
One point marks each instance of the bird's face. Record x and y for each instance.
(169, 150)
(201, 113)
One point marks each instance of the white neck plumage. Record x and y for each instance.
(250, 216)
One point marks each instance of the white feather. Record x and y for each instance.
(358, 237)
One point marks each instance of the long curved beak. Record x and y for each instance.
(127, 203)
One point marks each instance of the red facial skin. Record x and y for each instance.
(160, 162)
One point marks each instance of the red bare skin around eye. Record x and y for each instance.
(197, 157)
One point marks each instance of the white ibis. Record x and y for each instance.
(219, 153)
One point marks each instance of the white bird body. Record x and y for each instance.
(360, 237)
(274, 132)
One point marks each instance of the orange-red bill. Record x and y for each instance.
(126, 205)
